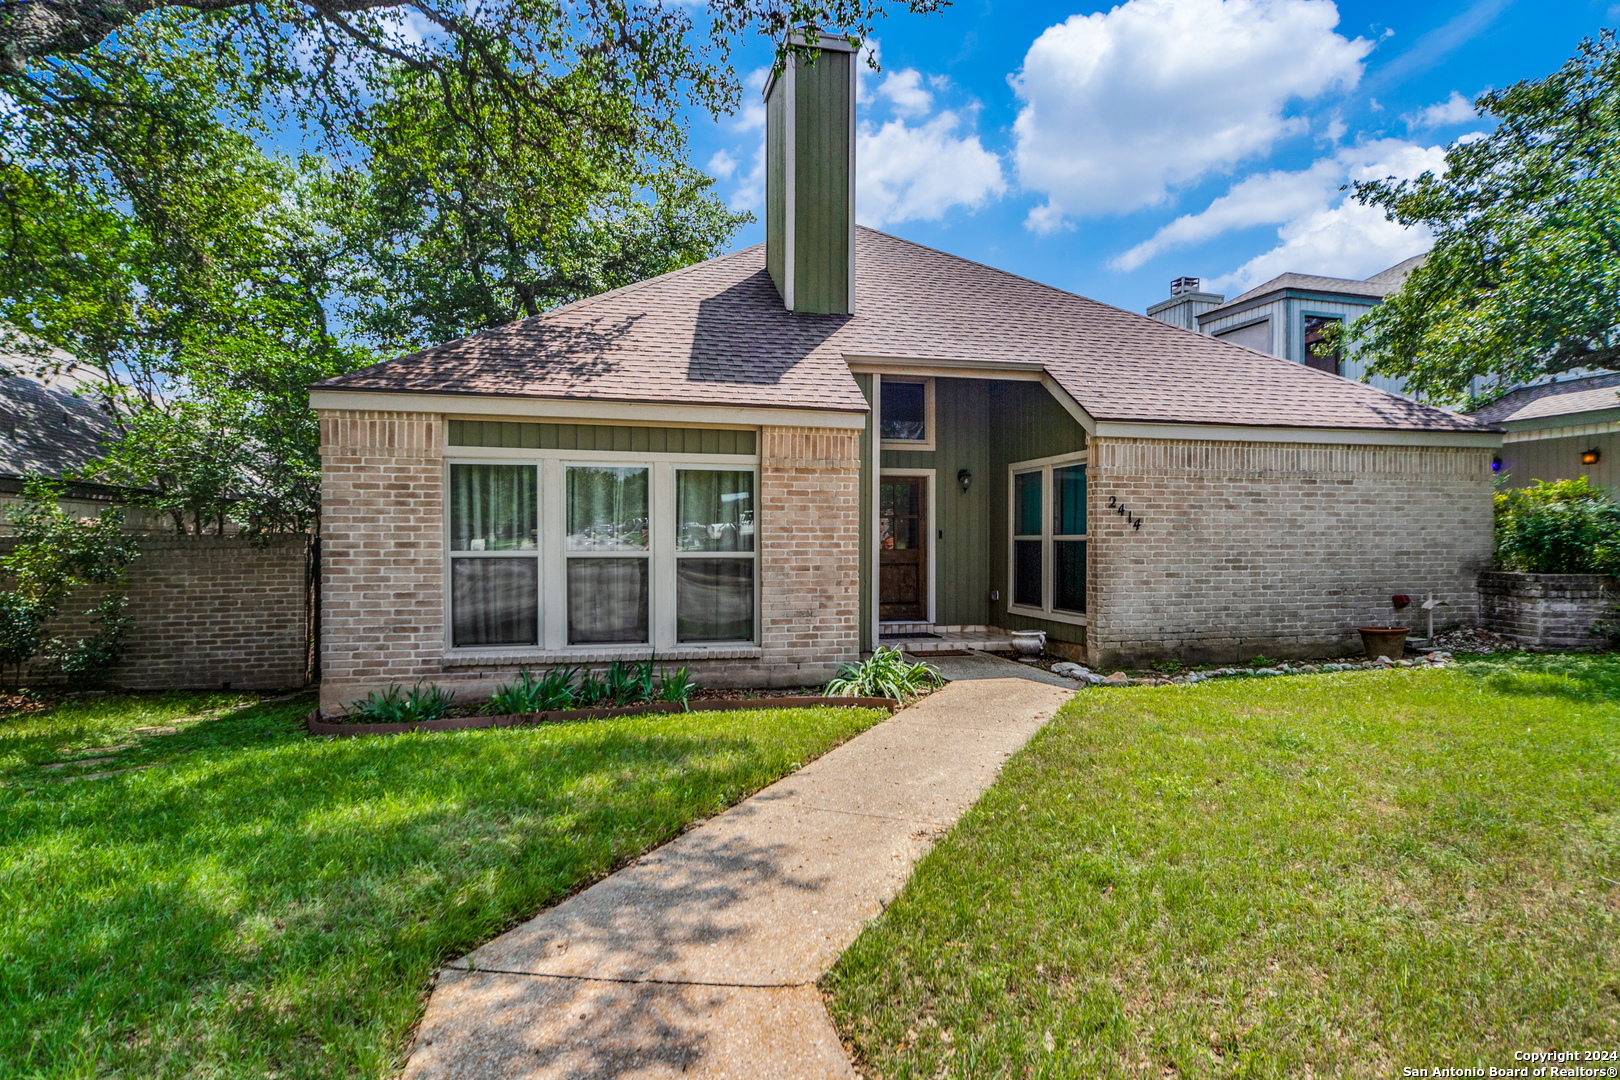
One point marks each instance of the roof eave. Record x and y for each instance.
(579, 409)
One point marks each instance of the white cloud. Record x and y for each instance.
(1456, 109)
(1121, 107)
(915, 166)
(1262, 199)
(750, 120)
(908, 173)
(751, 117)
(723, 165)
(1344, 238)
(905, 92)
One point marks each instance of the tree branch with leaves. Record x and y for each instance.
(1523, 279)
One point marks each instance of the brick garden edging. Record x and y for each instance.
(317, 726)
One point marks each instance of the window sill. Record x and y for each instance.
(1049, 616)
(597, 654)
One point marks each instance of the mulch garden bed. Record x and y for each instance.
(317, 726)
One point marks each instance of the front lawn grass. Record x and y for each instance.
(1342, 875)
(258, 903)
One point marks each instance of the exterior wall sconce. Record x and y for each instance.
(964, 478)
(1590, 457)
(1496, 464)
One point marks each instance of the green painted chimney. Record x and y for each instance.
(810, 178)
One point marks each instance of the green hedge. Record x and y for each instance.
(1557, 527)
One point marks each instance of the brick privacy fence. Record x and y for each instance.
(382, 592)
(206, 612)
(1275, 548)
(1553, 611)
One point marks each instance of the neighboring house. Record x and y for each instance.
(49, 429)
(1558, 430)
(1287, 315)
(768, 463)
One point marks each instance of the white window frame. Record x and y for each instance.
(926, 443)
(551, 501)
(1044, 466)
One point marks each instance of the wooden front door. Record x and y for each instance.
(902, 549)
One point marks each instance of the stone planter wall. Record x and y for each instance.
(1549, 611)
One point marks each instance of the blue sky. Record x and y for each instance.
(1106, 149)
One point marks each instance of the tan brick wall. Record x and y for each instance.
(810, 552)
(383, 563)
(382, 557)
(1276, 549)
(206, 612)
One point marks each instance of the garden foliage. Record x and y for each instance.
(56, 555)
(1558, 527)
(620, 684)
(884, 674)
(396, 706)
(1523, 278)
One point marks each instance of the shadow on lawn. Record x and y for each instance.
(1582, 677)
(140, 730)
(269, 893)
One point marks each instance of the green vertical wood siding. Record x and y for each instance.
(821, 186)
(1027, 423)
(631, 439)
(961, 557)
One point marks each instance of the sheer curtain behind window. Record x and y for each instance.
(494, 566)
(607, 597)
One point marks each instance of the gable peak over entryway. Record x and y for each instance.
(810, 176)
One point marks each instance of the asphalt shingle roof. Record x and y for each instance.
(716, 334)
(46, 429)
(1593, 394)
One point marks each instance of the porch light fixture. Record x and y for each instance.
(1590, 457)
(965, 478)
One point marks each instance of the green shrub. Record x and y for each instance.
(393, 706)
(88, 661)
(55, 555)
(884, 674)
(1557, 527)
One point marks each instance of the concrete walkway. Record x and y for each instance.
(700, 959)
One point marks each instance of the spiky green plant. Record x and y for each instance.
(622, 683)
(676, 685)
(884, 674)
(527, 694)
(393, 706)
(556, 689)
(591, 691)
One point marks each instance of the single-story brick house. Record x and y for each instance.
(766, 464)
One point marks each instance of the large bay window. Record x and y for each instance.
(1047, 561)
(650, 551)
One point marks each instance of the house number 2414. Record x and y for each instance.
(1124, 511)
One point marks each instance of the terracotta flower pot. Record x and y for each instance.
(1387, 641)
